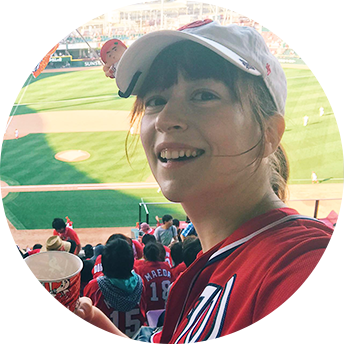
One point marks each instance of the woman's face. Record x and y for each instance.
(190, 133)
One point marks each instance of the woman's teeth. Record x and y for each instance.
(175, 154)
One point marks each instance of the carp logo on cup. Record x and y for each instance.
(62, 288)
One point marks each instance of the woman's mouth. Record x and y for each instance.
(167, 155)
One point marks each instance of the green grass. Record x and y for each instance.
(316, 147)
(87, 209)
(82, 90)
(30, 160)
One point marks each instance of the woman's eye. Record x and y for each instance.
(157, 101)
(205, 96)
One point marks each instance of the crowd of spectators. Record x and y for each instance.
(128, 279)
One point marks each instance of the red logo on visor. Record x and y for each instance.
(196, 23)
(268, 69)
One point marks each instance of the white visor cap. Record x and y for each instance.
(242, 46)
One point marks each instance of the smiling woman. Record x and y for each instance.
(211, 101)
(205, 86)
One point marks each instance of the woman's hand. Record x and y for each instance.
(94, 325)
(84, 308)
(84, 312)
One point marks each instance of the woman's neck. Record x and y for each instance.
(217, 216)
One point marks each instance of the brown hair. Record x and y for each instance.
(197, 62)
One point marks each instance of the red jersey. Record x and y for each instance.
(8, 312)
(138, 249)
(128, 322)
(137, 263)
(98, 267)
(156, 278)
(68, 234)
(177, 270)
(243, 278)
(149, 231)
(168, 258)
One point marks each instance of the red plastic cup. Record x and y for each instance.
(51, 286)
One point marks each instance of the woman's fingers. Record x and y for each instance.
(84, 313)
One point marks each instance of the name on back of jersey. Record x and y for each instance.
(157, 273)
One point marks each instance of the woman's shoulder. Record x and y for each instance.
(290, 235)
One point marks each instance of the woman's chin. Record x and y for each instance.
(172, 192)
(172, 196)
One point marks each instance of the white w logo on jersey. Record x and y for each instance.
(211, 304)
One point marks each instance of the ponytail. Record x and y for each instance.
(279, 172)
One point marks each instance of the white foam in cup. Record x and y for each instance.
(51, 266)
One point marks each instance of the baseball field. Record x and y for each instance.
(70, 157)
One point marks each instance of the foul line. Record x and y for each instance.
(70, 100)
(15, 110)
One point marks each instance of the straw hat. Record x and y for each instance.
(55, 243)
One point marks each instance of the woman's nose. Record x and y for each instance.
(171, 118)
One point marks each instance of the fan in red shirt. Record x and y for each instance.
(66, 233)
(118, 292)
(156, 276)
(8, 312)
(146, 229)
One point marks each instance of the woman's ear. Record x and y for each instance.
(273, 133)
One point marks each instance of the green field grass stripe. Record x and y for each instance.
(87, 209)
(13, 219)
(71, 100)
(30, 160)
(85, 89)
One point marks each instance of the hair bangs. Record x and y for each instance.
(193, 61)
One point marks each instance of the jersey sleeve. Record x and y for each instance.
(302, 300)
(139, 249)
(74, 236)
(90, 288)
